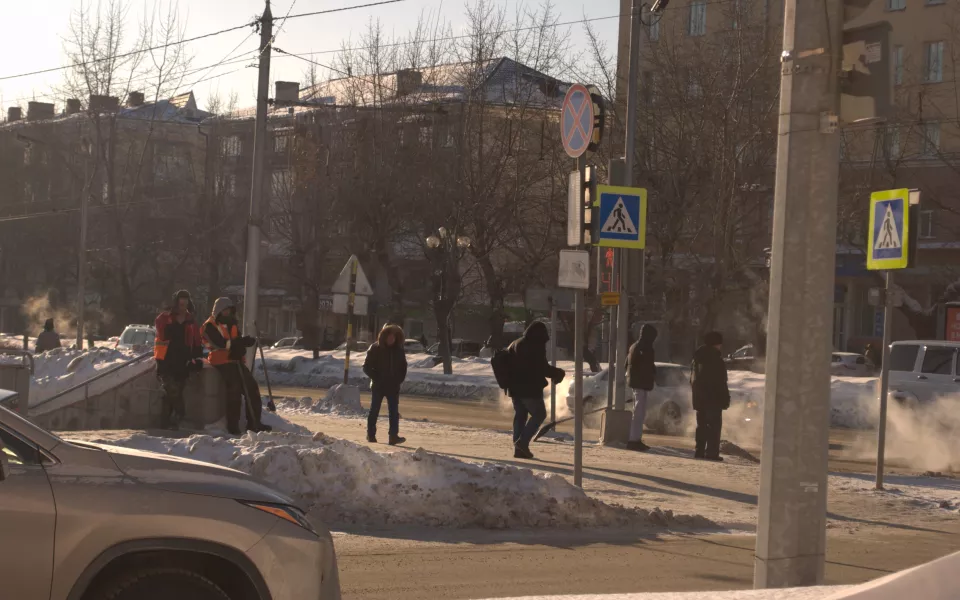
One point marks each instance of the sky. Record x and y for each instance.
(36, 43)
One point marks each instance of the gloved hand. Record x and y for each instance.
(248, 341)
(271, 406)
(195, 364)
(558, 376)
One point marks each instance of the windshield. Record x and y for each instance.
(137, 337)
(26, 428)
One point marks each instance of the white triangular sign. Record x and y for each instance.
(342, 284)
(619, 220)
(888, 238)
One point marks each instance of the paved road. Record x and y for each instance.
(491, 415)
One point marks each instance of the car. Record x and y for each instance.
(137, 337)
(413, 347)
(459, 349)
(850, 364)
(95, 522)
(290, 343)
(923, 371)
(356, 346)
(745, 359)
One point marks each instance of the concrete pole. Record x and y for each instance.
(351, 304)
(623, 258)
(553, 359)
(884, 378)
(82, 255)
(579, 336)
(791, 533)
(251, 286)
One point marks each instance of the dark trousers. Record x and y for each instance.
(528, 415)
(393, 408)
(171, 386)
(240, 382)
(709, 424)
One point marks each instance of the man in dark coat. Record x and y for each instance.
(177, 351)
(48, 338)
(641, 375)
(710, 395)
(529, 371)
(386, 366)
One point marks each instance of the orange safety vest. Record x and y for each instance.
(218, 355)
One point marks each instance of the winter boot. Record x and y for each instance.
(637, 446)
(522, 451)
(396, 440)
(371, 438)
(717, 458)
(698, 454)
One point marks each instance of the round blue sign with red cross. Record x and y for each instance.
(577, 120)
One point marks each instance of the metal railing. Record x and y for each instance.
(85, 385)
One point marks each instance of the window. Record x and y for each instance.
(930, 144)
(892, 142)
(926, 224)
(170, 162)
(938, 360)
(17, 451)
(933, 62)
(897, 60)
(737, 10)
(426, 136)
(903, 357)
(933, 2)
(694, 89)
(230, 145)
(698, 18)
(281, 142)
(896, 4)
(654, 29)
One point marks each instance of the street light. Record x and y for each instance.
(433, 241)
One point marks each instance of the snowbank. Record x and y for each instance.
(333, 403)
(345, 483)
(62, 368)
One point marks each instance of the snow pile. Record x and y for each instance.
(62, 368)
(277, 423)
(349, 484)
(918, 491)
(332, 403)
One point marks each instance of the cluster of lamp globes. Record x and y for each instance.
(434, 241)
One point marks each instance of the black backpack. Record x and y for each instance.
(502, 368)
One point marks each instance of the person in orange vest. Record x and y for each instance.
(226, 350)
(177, 351)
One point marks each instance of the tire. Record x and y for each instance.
(670, 420)
(161, 583)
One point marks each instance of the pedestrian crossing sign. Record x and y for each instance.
(888, 244)
(622, 217)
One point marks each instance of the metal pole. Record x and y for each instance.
(350, 304)
(623, 258)
(251, 286)
(553, 359)
(884, 378)
(791, 524)
(612, 334)
(82, 257)
(578, 335)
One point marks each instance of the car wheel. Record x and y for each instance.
(671, 419)
(161, 583)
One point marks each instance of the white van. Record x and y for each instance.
(922, 371)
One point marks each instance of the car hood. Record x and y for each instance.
(188, 476)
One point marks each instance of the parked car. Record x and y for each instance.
(413, 347)
(850, 364)
(922, 371)
(137, 337)
(459, 349)
(97, 522)
(669, 405)
(745, 359)
(290, 343)
(357, 346)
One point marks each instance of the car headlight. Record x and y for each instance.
(751, 404)
(287, 513)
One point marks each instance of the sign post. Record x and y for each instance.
(888, 248)
(350, 297)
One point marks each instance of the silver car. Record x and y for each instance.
(923, 371)
(94, 522)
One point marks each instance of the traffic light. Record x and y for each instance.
(589, 210)
(865, 84)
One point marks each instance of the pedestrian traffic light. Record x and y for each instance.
(589, 210)
(865, 83)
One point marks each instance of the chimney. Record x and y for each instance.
(104, 103)
(39, 110)
(135, 99)
(287, 92)
(408, 82)
(73, 106)
(14, 113)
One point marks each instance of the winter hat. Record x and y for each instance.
(714, 338)
(48, 325)
(221, 305)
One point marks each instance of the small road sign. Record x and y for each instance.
(574, 269)
(342, 284)
(577, 120)
(610, 299)
(889, 230)
(622, 217)
(545, 300)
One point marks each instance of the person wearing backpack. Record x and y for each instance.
(528, 374)
(641, 375)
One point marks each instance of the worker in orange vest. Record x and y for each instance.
(221, 336)
(177, 352)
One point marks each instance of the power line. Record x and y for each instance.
(342, 9)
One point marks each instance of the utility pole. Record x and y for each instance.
(623, 255)
(884, 377)
(82, 251)
(791, 535)
(251, 285)
(579, 337)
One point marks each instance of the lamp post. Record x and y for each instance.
(445, 250)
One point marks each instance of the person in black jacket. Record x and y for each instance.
(177, 350)
(641, 375)
(529, 371)
(48, 338)
(386, 366)
(710, 395)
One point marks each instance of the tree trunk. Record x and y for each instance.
(495, 292)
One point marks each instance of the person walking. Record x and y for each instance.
(386, 366)
(48, 338)
(711, 396)
(641, 376)
(177, 351)
(227, 350)
(529, 371)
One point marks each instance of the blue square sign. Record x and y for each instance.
(888, 230)
(622, 219)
